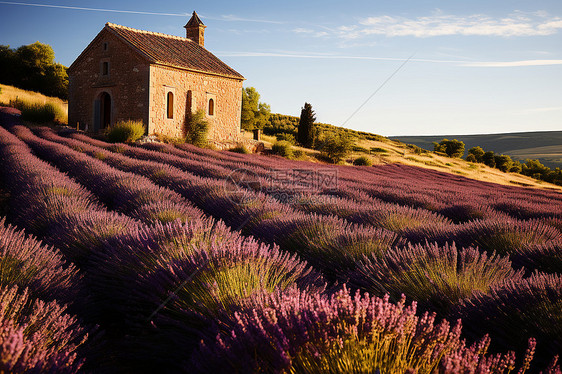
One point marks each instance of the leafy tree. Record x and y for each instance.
(477, 154)
(503, 162)
(535, 169)
(7, 65)
(516, 167)
(33, 67)
(336, 146)
(254, 113)
(489, 158)
(305, 134)
(452, 148)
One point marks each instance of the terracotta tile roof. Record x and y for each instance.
(173, 51)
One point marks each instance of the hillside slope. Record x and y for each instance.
(545, 146)
(387, 151)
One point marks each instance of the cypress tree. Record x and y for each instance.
(306, 126)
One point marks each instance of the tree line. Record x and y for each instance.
(32, 67)
(532, 168)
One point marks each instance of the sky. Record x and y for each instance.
(417, 67)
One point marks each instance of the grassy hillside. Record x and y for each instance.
(10, 94)
(546, 146)
(383, 151)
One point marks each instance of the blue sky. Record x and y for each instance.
(475, 67)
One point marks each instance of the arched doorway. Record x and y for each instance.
(105, 110)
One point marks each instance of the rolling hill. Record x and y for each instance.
(545, 146)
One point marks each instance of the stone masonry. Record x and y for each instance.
(155, 78)
(226, 94)
(126, 83)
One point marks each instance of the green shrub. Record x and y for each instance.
(378, 150)
(283, 148)
(125, 131)
(37, 112)
(471, 158)
(417, 150)
(240, 148)
(197, 128)
(359, 149)
(284, 136)
(298, 153)
(363, 161)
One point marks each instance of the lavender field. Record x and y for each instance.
(161, 258)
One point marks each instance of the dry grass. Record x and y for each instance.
(402, 155)
(10, 93)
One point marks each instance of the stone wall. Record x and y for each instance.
(225, 92)
(126, 83)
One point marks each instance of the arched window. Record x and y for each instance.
(170, 105)
(211, 107)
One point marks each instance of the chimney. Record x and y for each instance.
(195, 30)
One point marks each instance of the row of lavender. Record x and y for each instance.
(145, 261)
(531, 243)
(459, 269)
(39, 333)
(130, 269)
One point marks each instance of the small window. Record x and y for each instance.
(105, 68)
(211, 107)
(170, 105)
(105, 46)
(189, 103)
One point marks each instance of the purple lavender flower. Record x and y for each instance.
(26, 262)
(36, 336)
(516, 311)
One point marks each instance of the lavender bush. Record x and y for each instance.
(507, 236)
(330, 244)
(519, 310)
(309, 333)
(437, 277)
(36, 336)
(27, 263)
(165, 212)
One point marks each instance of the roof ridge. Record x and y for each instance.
(114, 25)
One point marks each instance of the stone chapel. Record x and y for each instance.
(125, 73)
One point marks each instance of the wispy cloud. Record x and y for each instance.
(325, 56)
(461, 63)
(311, 32)
(504, 64)
(440, 24)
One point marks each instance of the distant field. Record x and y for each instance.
(543, 145)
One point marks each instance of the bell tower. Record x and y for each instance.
(195, 30)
